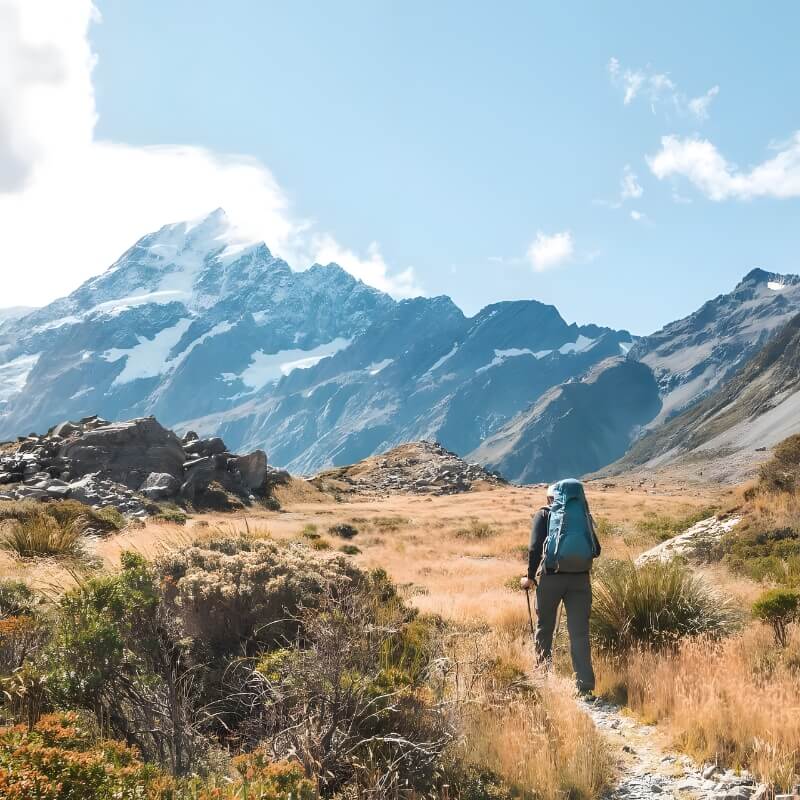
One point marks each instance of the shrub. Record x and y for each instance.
(63, 758)
(174, 515)
(234, 592)
(782, 472)
(476, 530)
(310, 532)
(343, 530)
(65, 513)
(116, 651)
(778, 608)
(16, 599)
(256, 777)
(654, 605)
(352, 704)
(349, 549)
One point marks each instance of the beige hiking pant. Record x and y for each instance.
(575, 591)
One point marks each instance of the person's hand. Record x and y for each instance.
(526, 583)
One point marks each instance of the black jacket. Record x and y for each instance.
(538, 537)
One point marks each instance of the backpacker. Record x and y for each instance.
(570, 544)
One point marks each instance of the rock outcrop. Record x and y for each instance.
(692, 543)
(128, 465)
(417, 468)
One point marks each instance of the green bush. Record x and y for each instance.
(176, 516)
(349, 549)
(343, 530)
(17, 599)
(782, 472)
(778, 608)
(654, 605)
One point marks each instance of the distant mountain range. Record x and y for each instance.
(211, 332)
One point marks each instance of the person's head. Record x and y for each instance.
(551, 494)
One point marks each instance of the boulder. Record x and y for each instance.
(160, 485)
(125, 452)
(220, 469)
(253, 469)
(64, 429)
(197, 448)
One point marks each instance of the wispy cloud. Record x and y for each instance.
(630, 188)
(699, 161)
(71, 203)
(658, 89)
(548, 251)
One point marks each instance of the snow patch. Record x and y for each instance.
(444, 358)
(271, 367)
(500, 356)
(14, 374)
(375, 368)
(82, 393)
(625, 347)
(148, 358)
(580, 345)
(776, 286)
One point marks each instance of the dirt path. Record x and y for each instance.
(648, 768)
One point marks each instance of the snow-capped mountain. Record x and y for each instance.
(204, 328)
(207, 330)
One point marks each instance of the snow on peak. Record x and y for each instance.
(776, 286)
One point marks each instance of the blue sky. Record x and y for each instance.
(451, 138)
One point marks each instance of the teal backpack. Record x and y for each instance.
(570, 544)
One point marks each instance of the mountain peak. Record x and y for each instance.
(773, 279)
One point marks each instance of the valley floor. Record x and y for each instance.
(460, 557)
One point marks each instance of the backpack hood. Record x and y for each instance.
(568, 489)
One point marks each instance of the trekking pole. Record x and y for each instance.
(530, 615)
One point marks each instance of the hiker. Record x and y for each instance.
(564, 544)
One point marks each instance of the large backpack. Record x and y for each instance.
(570, 544)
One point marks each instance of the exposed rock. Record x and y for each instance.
(417, 468)
(693, 543)
(126, 452)
(129, 464)
(160, 485)
(253, 469)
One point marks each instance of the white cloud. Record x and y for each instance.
(371, 269)
(701, 163)
(631, 189)
(550, 251)
(658, 89)
(699, 105)
(71, 204)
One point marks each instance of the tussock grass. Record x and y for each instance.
(733, 701)
(476, 529)
(655, 605)
(40, 535)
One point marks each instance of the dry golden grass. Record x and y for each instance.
(736, 701)
(466, 580)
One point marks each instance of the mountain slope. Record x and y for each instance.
(577, 427)
(756, 408)
(693, 356)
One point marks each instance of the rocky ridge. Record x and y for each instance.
(417, 468)
(129, 465)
